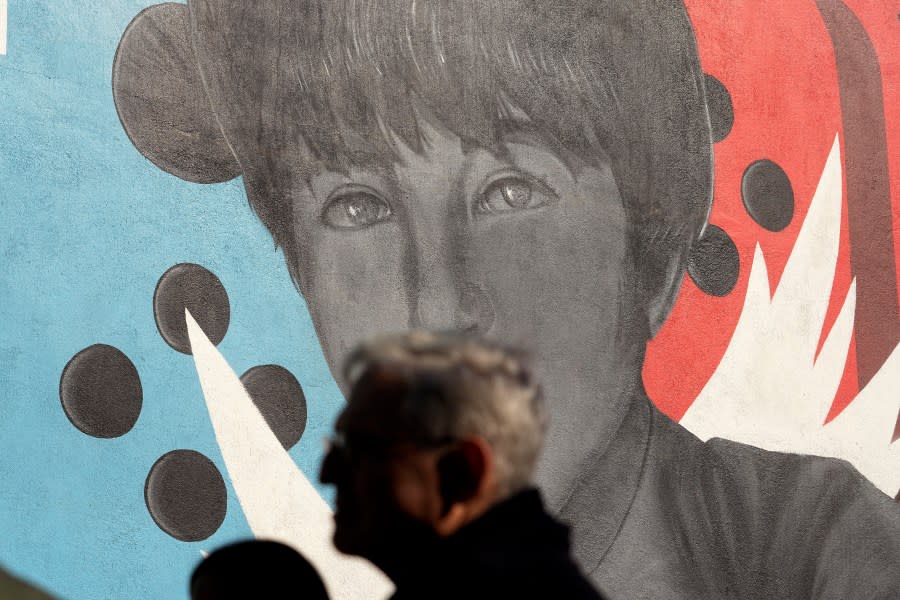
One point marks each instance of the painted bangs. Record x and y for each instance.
(368, 70)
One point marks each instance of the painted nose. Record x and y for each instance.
(445, 301)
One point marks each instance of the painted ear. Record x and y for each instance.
(661, 304)
(161, 100)
(713, 263)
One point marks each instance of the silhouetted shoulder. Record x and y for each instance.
(12, 587)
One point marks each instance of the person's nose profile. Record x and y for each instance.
(331, 468)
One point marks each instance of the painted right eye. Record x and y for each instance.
(355, 208)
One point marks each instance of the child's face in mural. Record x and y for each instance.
(522, 245)
(484, 226)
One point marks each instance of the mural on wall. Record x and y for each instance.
(686, 211)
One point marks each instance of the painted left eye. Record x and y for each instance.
(356, 208)
(512, 193)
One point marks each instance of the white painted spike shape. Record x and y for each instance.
(771, 390)
(278, 500)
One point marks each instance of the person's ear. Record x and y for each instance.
(466, 481)
(161, 100)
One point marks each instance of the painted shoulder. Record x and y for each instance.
(770, 524)
(813, 524)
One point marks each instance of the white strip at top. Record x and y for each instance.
(3, 27)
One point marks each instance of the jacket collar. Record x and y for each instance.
(510, 536)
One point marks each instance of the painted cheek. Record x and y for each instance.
(556, 277)
(551, 270)
(357, 288)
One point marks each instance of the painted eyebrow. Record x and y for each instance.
(527, 134)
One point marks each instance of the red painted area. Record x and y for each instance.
(777, 61)
(849, 385)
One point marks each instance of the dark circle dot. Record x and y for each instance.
(278, 396)
(159, 95)
(714, 263)
(101, 392)
(185, 494)
(721, 110)
(768, 195)
(192, 287)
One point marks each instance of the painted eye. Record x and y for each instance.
(513, 193)
(355, 208)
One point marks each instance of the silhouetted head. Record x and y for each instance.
(535, 172)
(256, 569)
(438, 429)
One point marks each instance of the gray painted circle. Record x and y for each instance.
(186, 495)
(100, 391)
(721, 109)
(279, 397)
(193, 287)
(714, 264)
(161, 101)
(768, 195)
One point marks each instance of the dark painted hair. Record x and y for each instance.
(608, 79)
(256, 569)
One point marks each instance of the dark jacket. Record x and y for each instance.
(515, 550)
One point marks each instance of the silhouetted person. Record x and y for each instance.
(13, 588)
(433, 460)
(256, 569)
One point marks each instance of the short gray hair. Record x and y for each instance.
(457, 386)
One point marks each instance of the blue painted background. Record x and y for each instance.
(87, 226)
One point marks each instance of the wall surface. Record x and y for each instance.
(745, 158)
